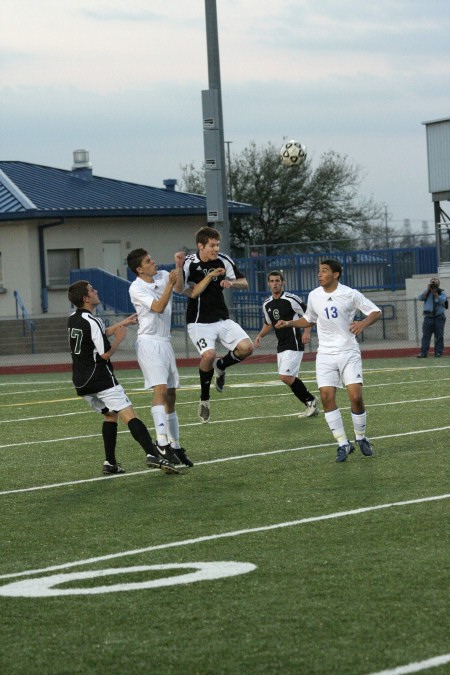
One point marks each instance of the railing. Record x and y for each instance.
(112, 290)
(371, 270)
(26, 318)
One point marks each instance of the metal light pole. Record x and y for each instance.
(213, 134)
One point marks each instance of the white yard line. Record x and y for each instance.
(219, 460)
(416, 667)
(226, 535)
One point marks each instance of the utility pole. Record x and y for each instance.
(230, 187)
(213, 134)
(386, 228)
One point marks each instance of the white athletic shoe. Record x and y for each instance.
(311, 409)
(204, 411)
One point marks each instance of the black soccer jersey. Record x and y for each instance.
(287, 307)
(87, 339)
(210, 305)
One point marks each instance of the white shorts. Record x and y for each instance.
(338, 370)
(157, 361)
(289, 362)
(108, 400)
(204, 335)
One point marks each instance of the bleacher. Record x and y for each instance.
(371, 270)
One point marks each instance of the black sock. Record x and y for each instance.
(109, 433)
(228, 360)
(301, 392)
(205, 383)
(141, 434)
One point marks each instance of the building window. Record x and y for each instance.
(60, 262)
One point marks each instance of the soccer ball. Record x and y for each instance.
(293, 153)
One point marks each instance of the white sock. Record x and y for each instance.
(173, 430)
(359, 425)
(160, 422)
(334, 421)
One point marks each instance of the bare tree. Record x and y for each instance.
(295, 204)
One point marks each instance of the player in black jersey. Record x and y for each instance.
(291, 342)
(94, 379)
(206, 274)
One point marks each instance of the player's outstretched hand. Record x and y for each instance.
(132, 319)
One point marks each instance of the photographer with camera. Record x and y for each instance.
(434, 306)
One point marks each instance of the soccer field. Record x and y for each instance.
(266, 557)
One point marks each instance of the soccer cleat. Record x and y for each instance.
(344, 451)
(167, 452)
(220, 377)
(311, 409)
(110, 469)
(365, 446)
(421, 356)
(161, 463)
(182, 457)
(204, 411)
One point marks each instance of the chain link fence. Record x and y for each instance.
(398, 332)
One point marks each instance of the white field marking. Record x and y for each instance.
(43, 587)
(184, 403)
(226, 535)
(416, 667)
(236, 373)
(24, 393)
(218, 460)
(225, 421)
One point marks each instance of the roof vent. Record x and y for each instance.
(82, 168)
(170, 183)
(81, 160)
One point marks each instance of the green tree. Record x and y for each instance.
(295, 204)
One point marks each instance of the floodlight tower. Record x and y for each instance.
(213, 134)
(438, 155)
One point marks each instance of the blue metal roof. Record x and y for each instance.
(35, 191)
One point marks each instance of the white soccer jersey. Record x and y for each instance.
(142, 295)
(333, 313)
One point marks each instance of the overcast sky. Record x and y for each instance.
(123, 79)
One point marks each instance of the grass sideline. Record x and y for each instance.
(351, 562)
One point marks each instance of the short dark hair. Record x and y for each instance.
(204, 234)
(77, 292)
(275, 273)
(334, 265)
(135, 258)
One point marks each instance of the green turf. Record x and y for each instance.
(358, 592)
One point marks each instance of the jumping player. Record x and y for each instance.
(206, 274)
(151, 294)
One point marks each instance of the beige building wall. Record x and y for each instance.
(98, 240)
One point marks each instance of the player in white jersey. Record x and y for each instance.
(151, 294)
(332, 307)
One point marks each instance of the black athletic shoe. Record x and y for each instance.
(167, 452)
(220, 377)
(160, 463)
(110, 469)
(344, 451)
(182, 456)
(365, 447)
